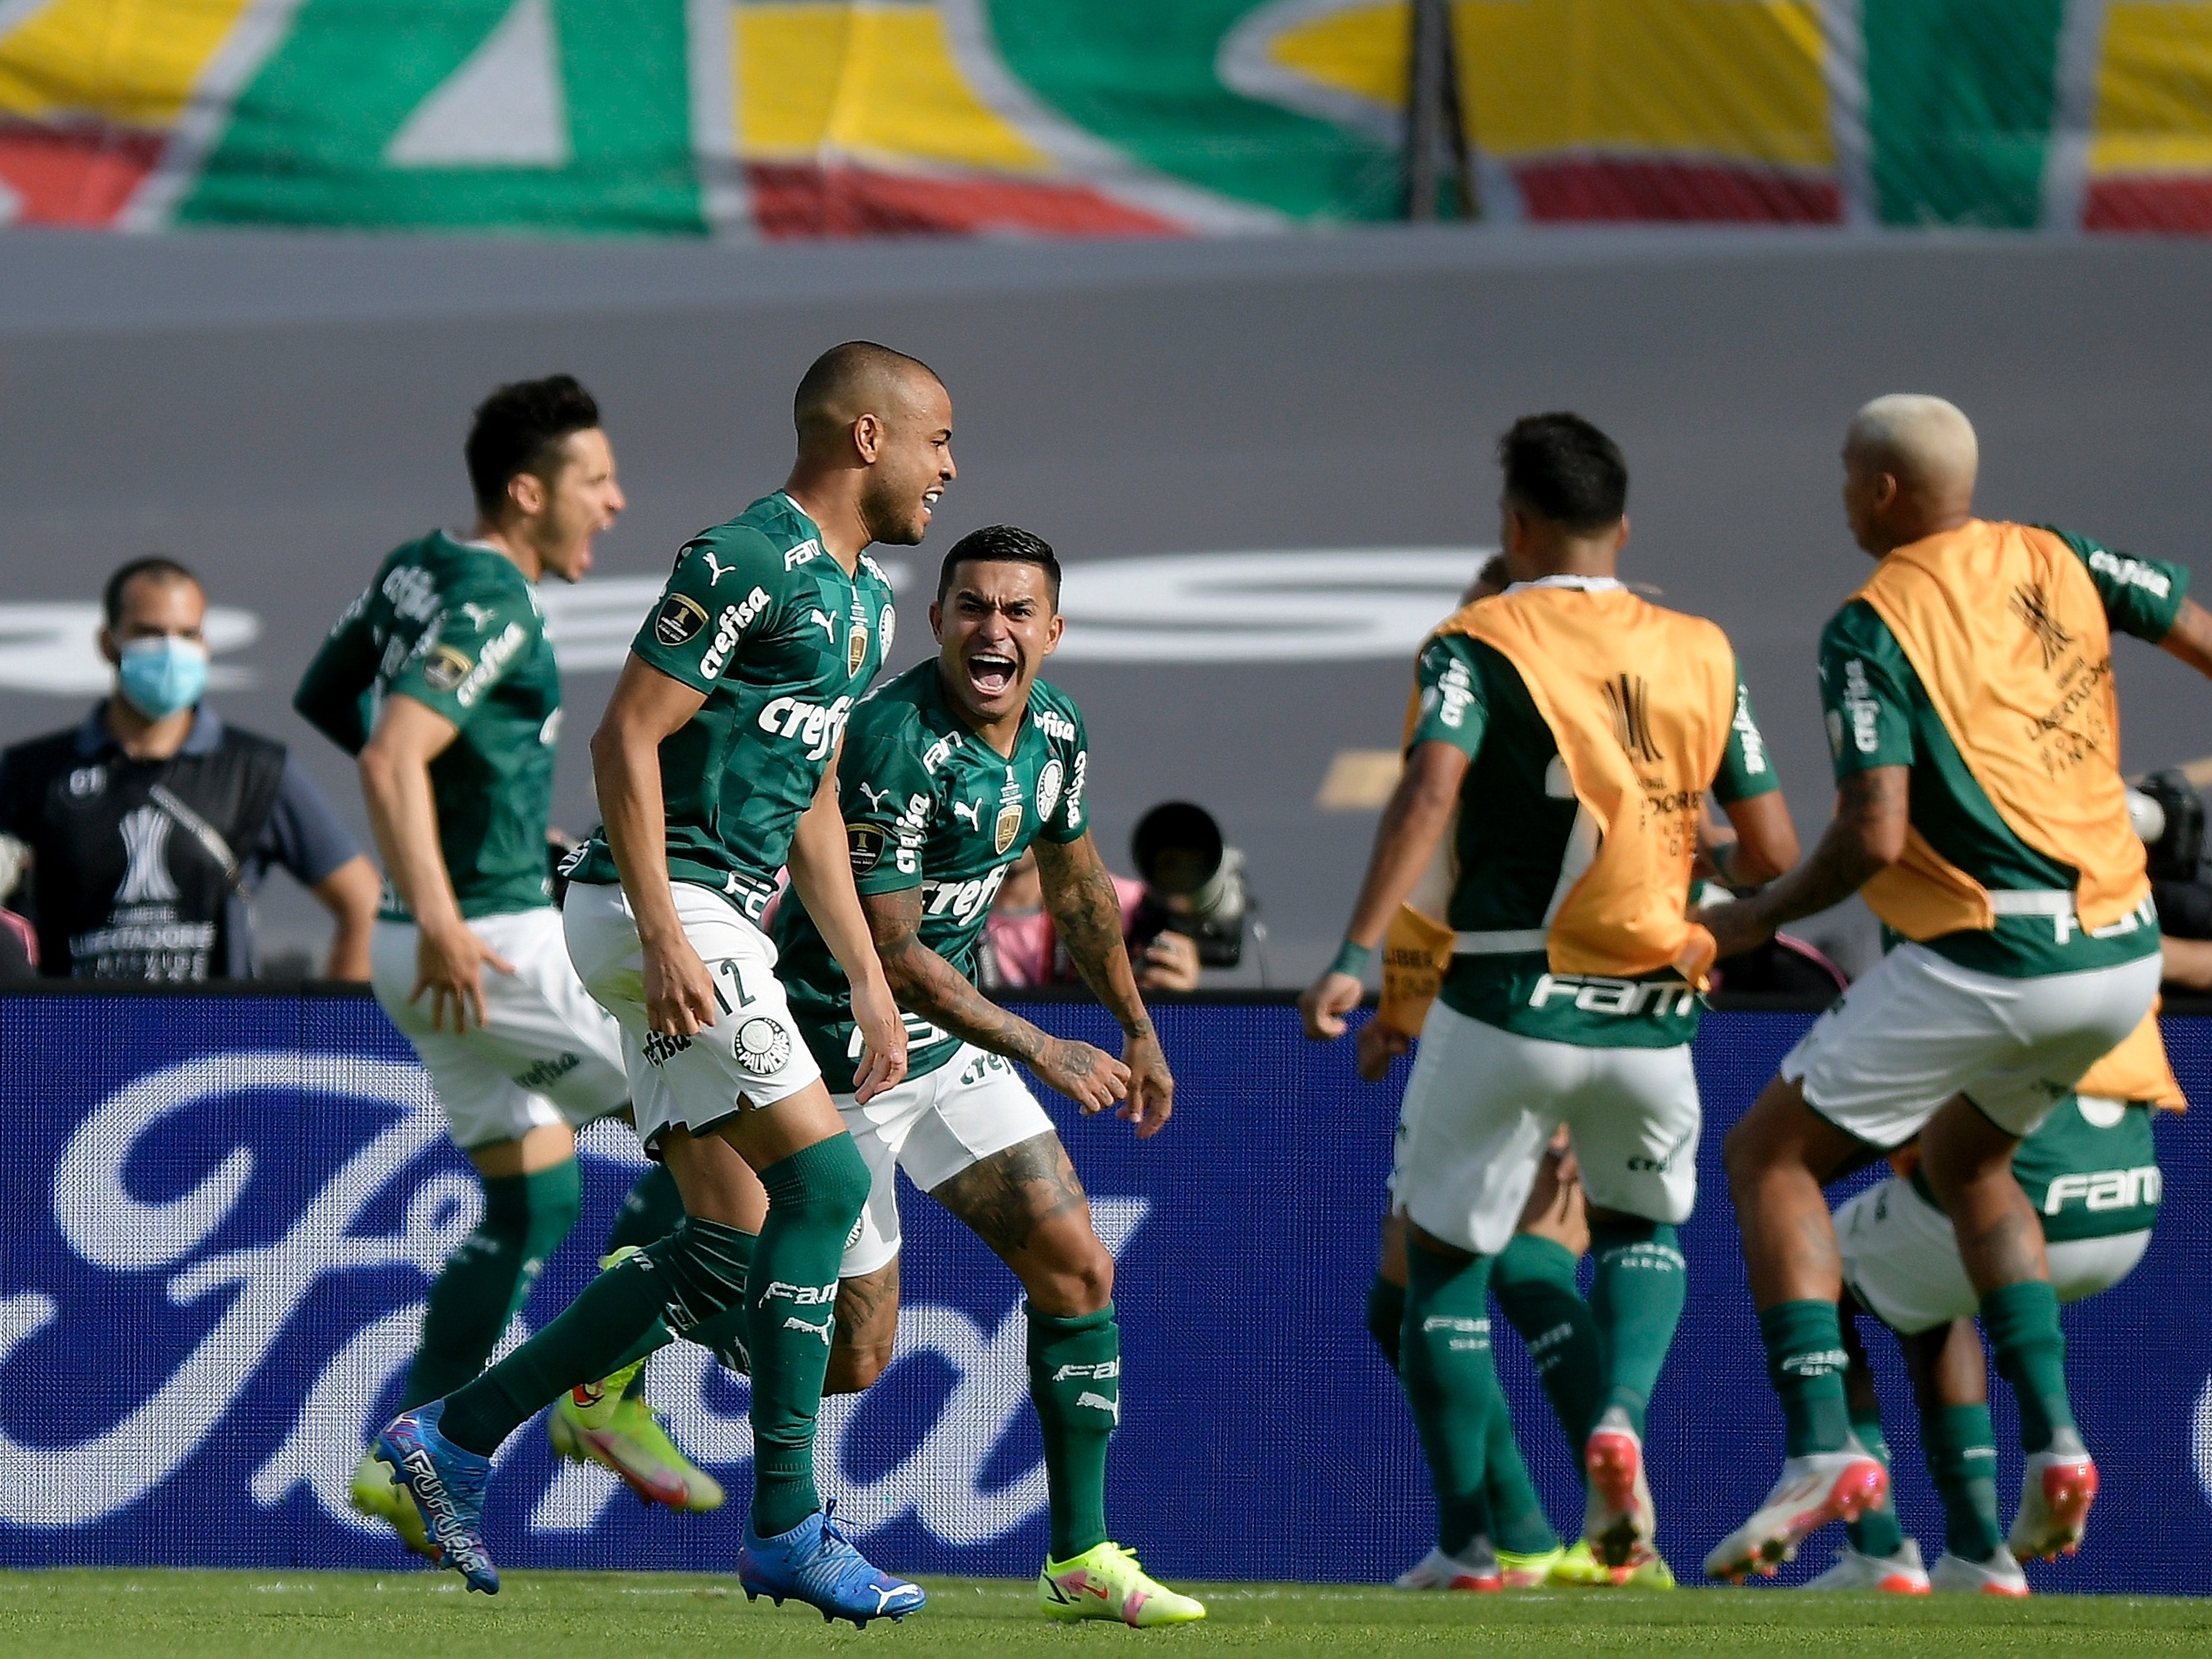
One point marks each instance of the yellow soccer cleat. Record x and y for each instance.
(1531, 1571)
(1578, 1568)
(381, 1497)
(630, 1439)
(1107, 1582)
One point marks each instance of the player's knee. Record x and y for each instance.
(855, 1366)
(1075, 1276)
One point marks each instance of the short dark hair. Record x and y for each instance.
(517, 430)
(857, 368)
(1000, 544)
(1560, 467)
(156, 565)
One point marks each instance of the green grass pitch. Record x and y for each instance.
(151, 1614)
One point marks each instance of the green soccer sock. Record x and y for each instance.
(2022, 1320)
(1386, 1317)
(649, 1212)
(814, 1197)
(1875, 1532)
(1451, 1383)
(1075, 1382)
(1962, 1444)
(489, 1277)
(1534, 1283)
(1805, 1361)
(1636, 1299)
(694, 1274)
(1517, 1521)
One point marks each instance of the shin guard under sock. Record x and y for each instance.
(1534, 1283)
(692, 1274)
(1962, 1444)
(2022, 1322)
(649, 1212)
(485, 1282)
(814, 1197)
(1805, 1361)
(1451, 1383)
(1075, 1382)
(1635, 1298)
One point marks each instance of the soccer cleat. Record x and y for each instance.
(1646, 1570)
(1900, 1574)
(1838, 1486)
(1530, 1571)
(380, 1497)
(814, 1562)
(1953, 1575)
(1617, 1519)
(2056, 1490)
(631, 1441)
(1578, 1568)
(447, 1485)
(1107, 1582)
(1476, 1568)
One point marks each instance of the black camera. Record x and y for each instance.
(1193, 883)
(2169, 814)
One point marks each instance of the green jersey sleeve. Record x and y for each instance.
(1747, 769)
(1866, 689)
(721, 593)
(2142, 596)
(475, 640)
(887, 796)
(1453, 707)
(1064, 813)
(333, 695)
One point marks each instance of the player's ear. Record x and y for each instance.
(1621, 534)
(868, 437)
(1053, 630)
(937, 621)
(106, 640)
(527, 493)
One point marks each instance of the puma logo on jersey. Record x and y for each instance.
(969, 812)
(716, 568)
(480, 616)
(829, 623)
(876, 797)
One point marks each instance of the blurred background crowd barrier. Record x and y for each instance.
(792, 118)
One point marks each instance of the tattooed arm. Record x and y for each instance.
(926, 983)
(1868, 835)
(1087, 913)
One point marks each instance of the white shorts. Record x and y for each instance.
(750, 1057)
(1917, 1029)
(547, 1052)
(1480, 1110)
(1901, 1259)
(933, 1126)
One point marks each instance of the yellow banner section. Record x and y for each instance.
(133, 63)
(2155, 90)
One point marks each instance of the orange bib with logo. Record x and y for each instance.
(2008, 636)
(1639, 700)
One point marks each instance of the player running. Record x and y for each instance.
(1974, 724)
(950, 772)
(2091, 1172)
(1577, 728)
(716, 765)
(439, 678)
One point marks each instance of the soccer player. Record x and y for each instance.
(1972, 717)
(716, 766)
(1577, 728)
(950, 772)
(2091, 1172)
(440, 680)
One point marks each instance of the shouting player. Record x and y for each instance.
(440, 678)
(1577, 728)
(716, 766)
(1974, 724)
(950, 772)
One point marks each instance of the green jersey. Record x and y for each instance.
(781, 654)
(1880, 715)
(2091, 1171)
(929, 803)
(1517, 819)
(455, 626)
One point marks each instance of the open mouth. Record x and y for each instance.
(929, 501)
(991, 674)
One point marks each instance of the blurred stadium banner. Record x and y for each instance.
(222, 1213)
(786, 118)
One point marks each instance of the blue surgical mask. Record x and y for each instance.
(160, 677)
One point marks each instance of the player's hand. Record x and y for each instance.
(679, 992)
(1152, 1086)
(882, 1039)
(1327, 1001)
(449, 963)
(1379, 1044)
(1170, 964)
(1089, 1076)
(1736, 927)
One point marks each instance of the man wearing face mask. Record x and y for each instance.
(151, 822)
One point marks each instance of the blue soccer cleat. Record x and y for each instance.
(449, 1486)
(813, 1563)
